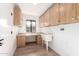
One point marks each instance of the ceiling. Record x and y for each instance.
(34, 9)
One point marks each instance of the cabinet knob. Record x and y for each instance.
(59, 21)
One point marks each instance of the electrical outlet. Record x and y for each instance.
(61, 29)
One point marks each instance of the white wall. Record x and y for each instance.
(64, 42)
(23, 24)
(5, 12)
(9, 43)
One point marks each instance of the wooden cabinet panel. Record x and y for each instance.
(41, 21)
(39, 40)
(46, 18)
(54, 15)
(77, 12)
(62, 13)
(69, 12)
(17, 15)
(74, 13)
(66, 13)
(21, 41)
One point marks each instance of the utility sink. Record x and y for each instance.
(47, 37)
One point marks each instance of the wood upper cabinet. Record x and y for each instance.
(41, 21)
(17, 15)
(58, 14)
(69, 12)
(77, 12)
(54, 15)
(61, 13)
(66, 13)
(73, 14)
(46, 18)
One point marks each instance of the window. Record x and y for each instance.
(30, 26)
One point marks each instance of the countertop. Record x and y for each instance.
(28, 34)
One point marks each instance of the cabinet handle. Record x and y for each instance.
(59, 21)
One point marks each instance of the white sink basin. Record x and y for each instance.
(47, 37)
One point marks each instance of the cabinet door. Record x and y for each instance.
(69, 13)
(20, 41)
(40, 21)
(43, 20)
(46, 18)
(17, 15)
(62, 13)
(73, 13)
(54, 15)
(77, 12)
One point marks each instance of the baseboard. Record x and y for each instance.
(59, 53)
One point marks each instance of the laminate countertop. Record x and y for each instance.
(28, 34)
